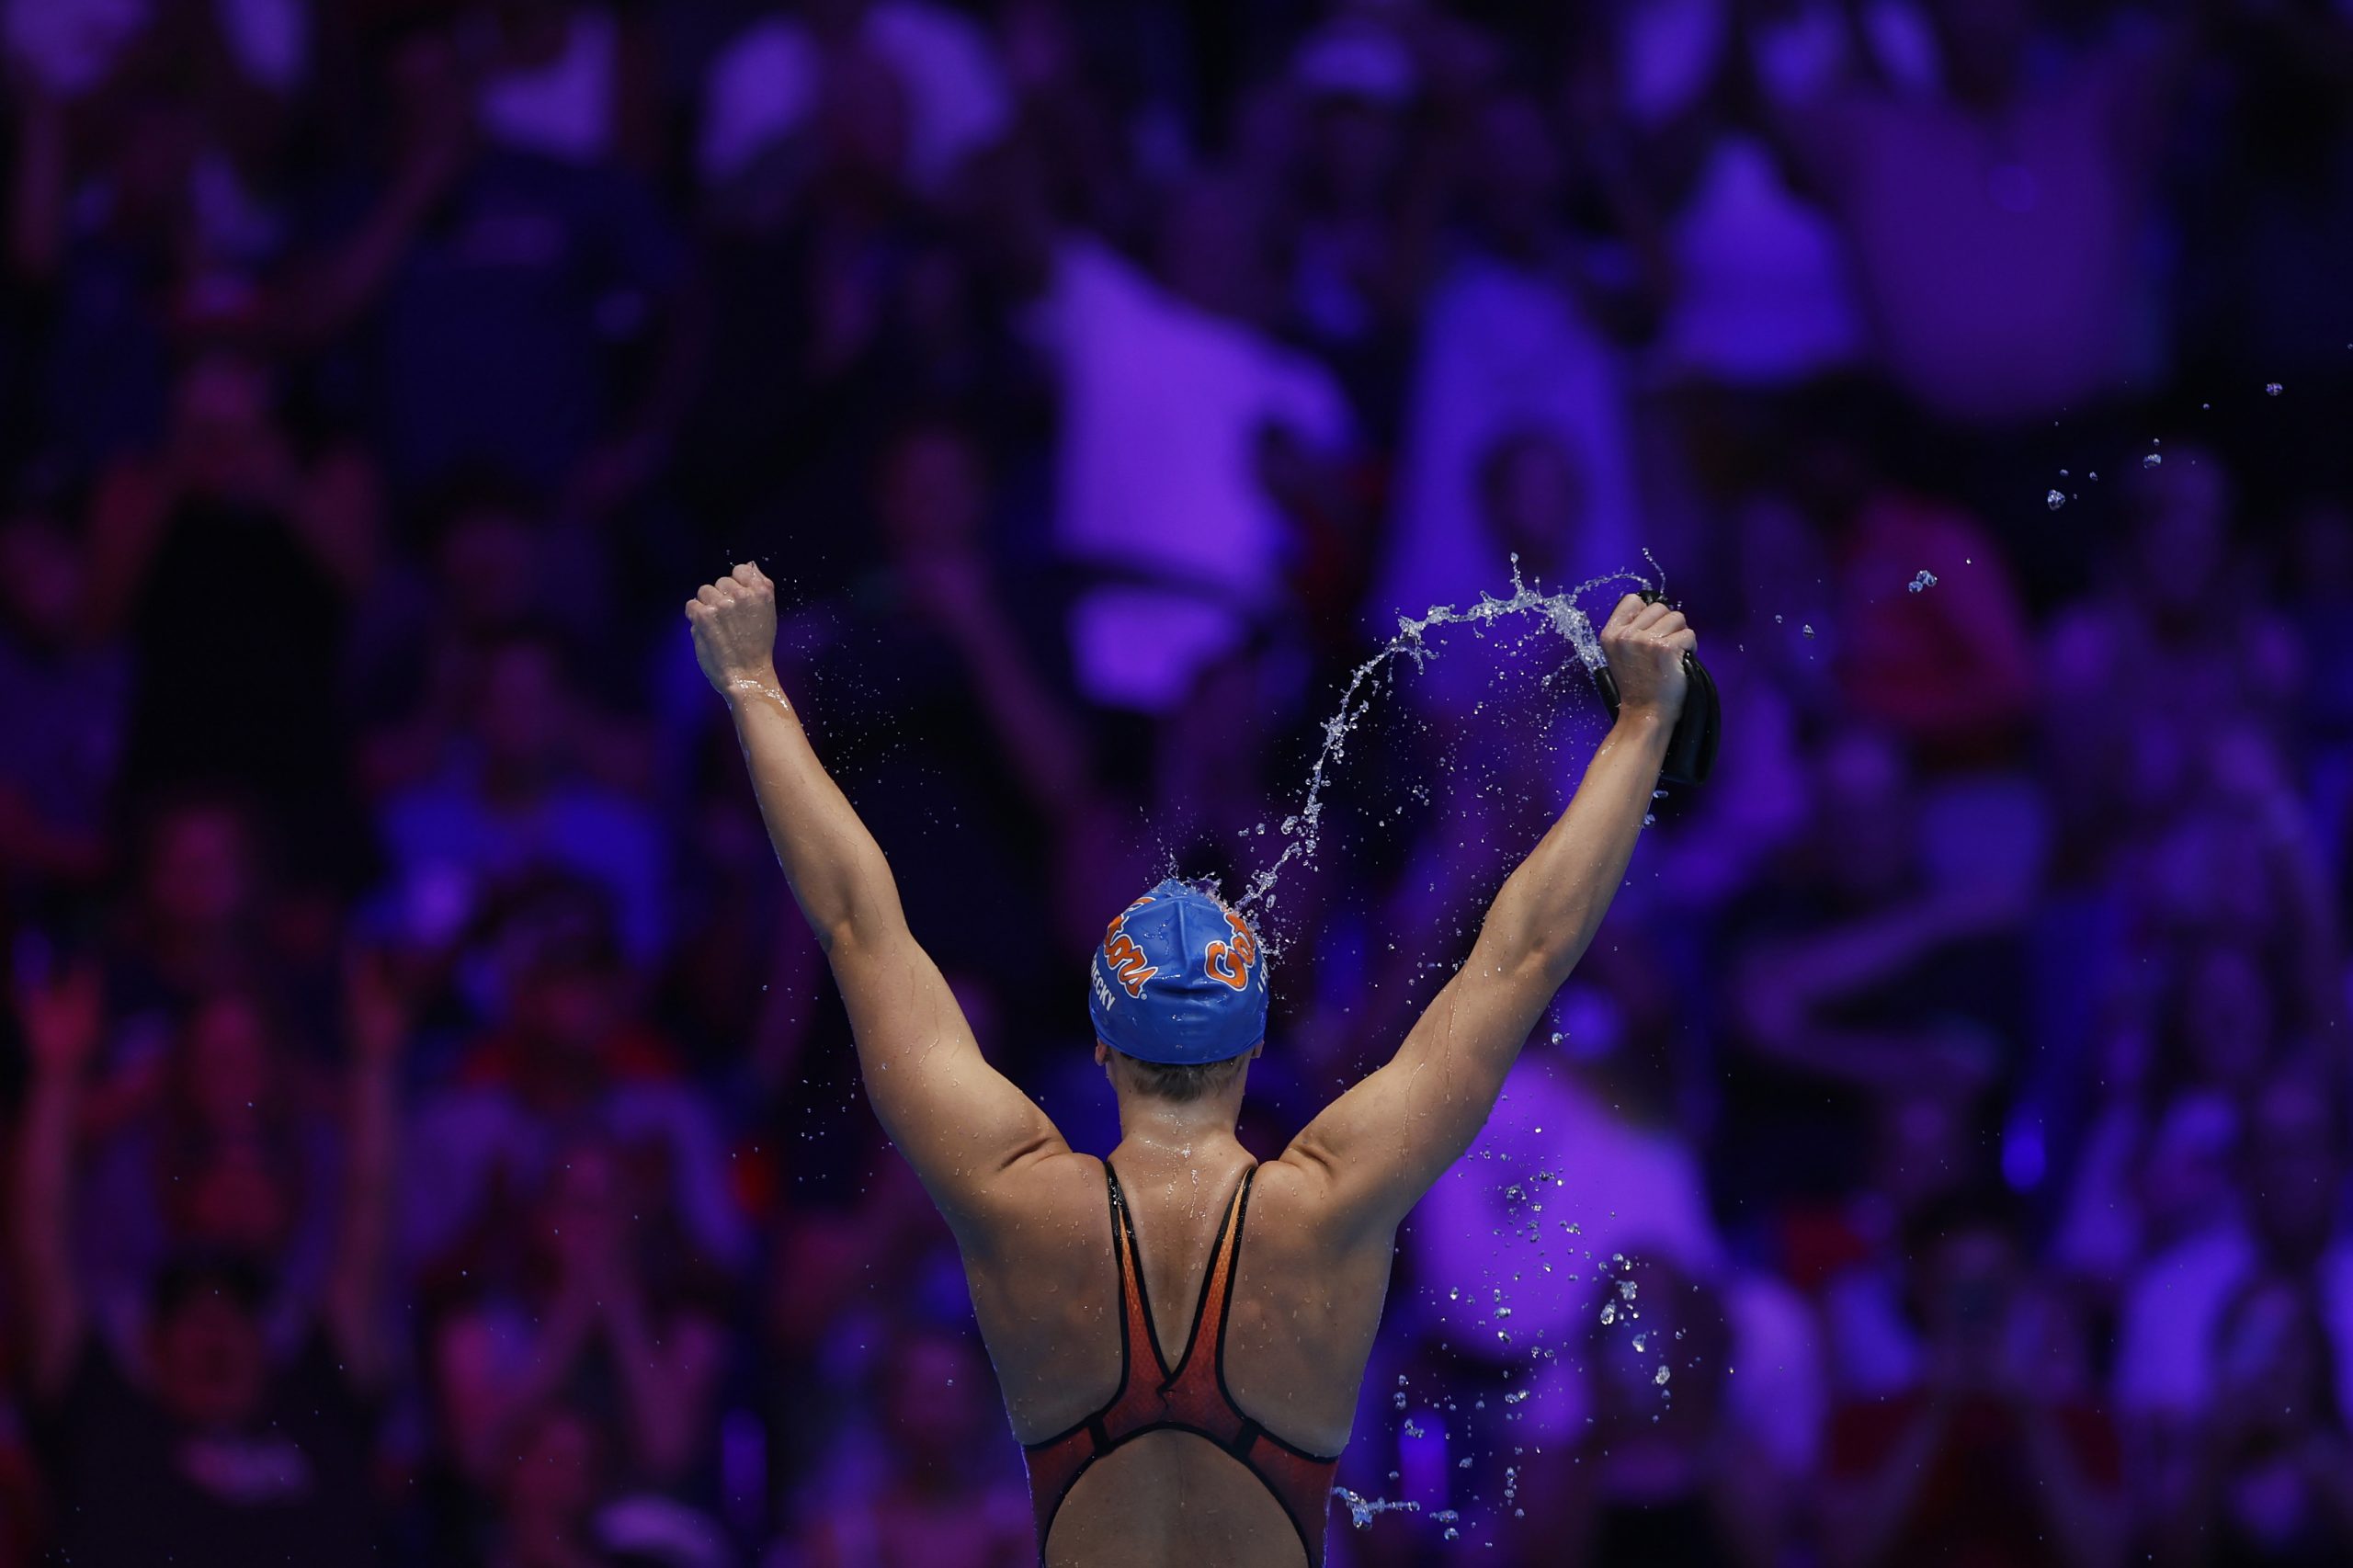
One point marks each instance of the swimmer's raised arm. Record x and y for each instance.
(960, 1123)
(1382, 1145)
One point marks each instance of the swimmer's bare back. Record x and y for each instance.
(1305, 1260)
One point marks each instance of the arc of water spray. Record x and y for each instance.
(1559, 611)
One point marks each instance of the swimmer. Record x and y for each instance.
(1181, 1329)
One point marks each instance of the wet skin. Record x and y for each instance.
(1304, 1311)
(1033, 1216)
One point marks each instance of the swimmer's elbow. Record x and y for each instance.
(835, 935)
(1536, 963)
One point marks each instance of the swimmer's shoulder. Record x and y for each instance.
(1038, 1207)
(1293, 1208)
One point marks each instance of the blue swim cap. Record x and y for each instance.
(1178, 979)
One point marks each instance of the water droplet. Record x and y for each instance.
(2153, 459)
(2272, 389)
(1807, 629)
(2054, 500)
(1661, 1378)
(1927, 579)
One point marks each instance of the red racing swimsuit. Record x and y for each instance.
(1193, 1398)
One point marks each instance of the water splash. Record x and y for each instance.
(1558, 610)
(1361, 1508)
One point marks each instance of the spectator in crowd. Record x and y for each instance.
(940, 1501)
(771, 82)
(957, 645)
(210, 1433)
(203, 910)
(500, 271)
(1993, 219)
(1169, 369)
(548, 1490)
(592, 1311)
(515, 791)
(1098, 381)
(566, 1055)
(2129, 662)
(226, 1148)
(1516, 339)
(228, 556)
(1871, 980)
(1997, 1456)
(2272, 1483)
(1658, 1477)
(1362, 216)
(66, 691)
(494, 570)
(2288, 1221)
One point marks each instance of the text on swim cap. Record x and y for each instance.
(1122, 957)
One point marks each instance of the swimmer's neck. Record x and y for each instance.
(1155, 1132)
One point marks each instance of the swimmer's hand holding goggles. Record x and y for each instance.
(1691, 749)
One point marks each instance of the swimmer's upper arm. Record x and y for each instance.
(1379, 1146)
(964, 1127)
(960, 1122)
(1374, 1151)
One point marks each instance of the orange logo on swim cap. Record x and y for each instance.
(1231, 962)
(1122, 957)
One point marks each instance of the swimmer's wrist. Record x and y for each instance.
(1644, 721)
(756, 685)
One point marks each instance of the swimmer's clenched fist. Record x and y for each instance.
(1040, 1224)
(1646, 643)
(734, 625)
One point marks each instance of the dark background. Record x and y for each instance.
(432, 1137)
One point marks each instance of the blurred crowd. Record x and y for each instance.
(431, 1137)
